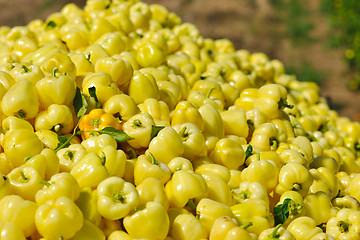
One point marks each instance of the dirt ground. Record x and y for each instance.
(251, 24)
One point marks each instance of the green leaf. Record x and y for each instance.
(62, 140)
(80, 104)
(117, 134)
(155, 130)
(281, 211)
(50, 25)
(248, 151)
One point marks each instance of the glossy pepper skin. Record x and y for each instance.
(227, 228)
(166, 145)
(183, 186)
(59, 218)
(186, 112)
(344, 225)
(19, 212)
(21, 100)
(121, 106)
(116, 198)
(95, 120)
(9, 231)
(140, 223)
(143, 86)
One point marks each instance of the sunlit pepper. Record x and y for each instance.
(303, 228)
(180, 163)
(228, 153)
(256, 213)
(89, 171)
(48, 138)
(277, 232)
(294, 176)
(9, 231)
(329, 178)
(159, 111)
(139, 127)
(57, 118)
(94, 52)
(113, 42)
(143, 86)
(152, 190)
(344, 225)
(20, 212)
(59, 218)
(166, 145)
(120, 70)
(228, 228)
(116, 198)
(21, 100)
(62, 63)
(235, 123)
(103, 83)
(318, 206)
(249, 191)
(295, 204)
(213, 124)
(19, 144)
(68, 157)
(30, 72)
(59, 90)
(141, 224)
(187, 226)
(82, 63)
(184, 186)
(95, 120)
(60, 184)
(121, 106)
(262, 171)
(147, 166)
(96, 143)
(186, 112)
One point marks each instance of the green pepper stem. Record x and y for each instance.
(26, 69)
(117, 196)
(275, 234)
(153, 160)
(23, 177)
(343, 226)
(246, 225)
(44, 182)
(297, 187)
(209, 92)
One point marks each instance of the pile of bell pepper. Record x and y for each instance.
(119, 121)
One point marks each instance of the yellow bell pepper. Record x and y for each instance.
(56, 117)
(31, 72)
(121, 106)
(147, 166)
(318, 206)
(95, 120)
(89, 171)
(186, 112)
(20, 212)
(295, 207)
(120, 70)
(68, 157)
(200, 98)
(303, 228)
(294, 176)
(48, 158)
(179, 163)
(141, 225)
(116, 198)
(9, 231)
(187, 226)
(83, 65)
(103, 83)
(21, 100)
(262, 171)
(62, 63)
(152, 190)
(24, 181)
(94, 52)
(48, 138)
(213, 171)
(344, 225)
(59, 218)
(113, 42)
(166, 145)
(150, 55)
(139, 127)
(277, 232)
(249, 191)
(169, 93)
(158, 110)
(87, 203)
(143, 86)
(59, 90)
(346, 201)
(184, 186)
(228, 153)
(329, 178)
(227, 228)
(235, 123)
(213, 124)
(60, 184)
(256, 213)
(209, 210)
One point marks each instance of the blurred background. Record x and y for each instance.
(317, 40)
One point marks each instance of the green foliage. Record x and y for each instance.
(344, 17)
(306, 73)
